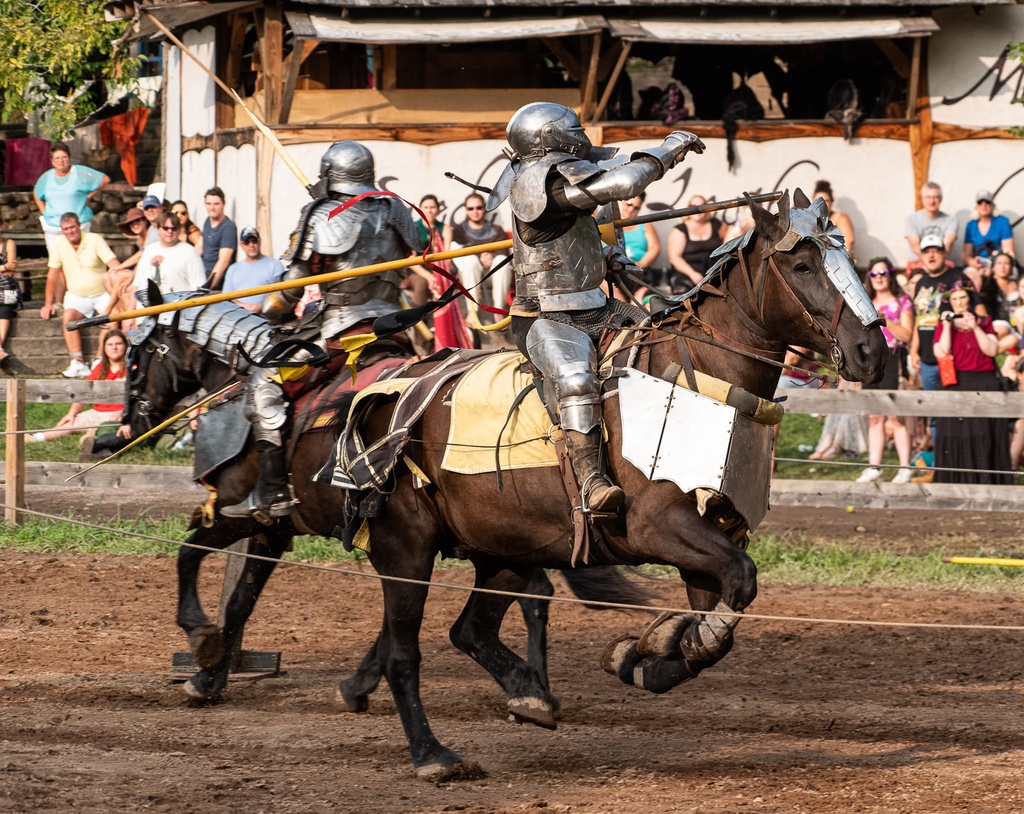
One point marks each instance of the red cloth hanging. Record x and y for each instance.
(26, 160)
(123, 132)
(450, 329)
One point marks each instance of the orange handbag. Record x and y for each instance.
(947, 371)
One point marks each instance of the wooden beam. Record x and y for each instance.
(590, 85)
(389, 70)
(900, 62)
(264, 174)
(920, 133)
(566, 57)
(14, 470)
(231, 69)
(292, 68)
(995, 404)
(920, 496)
(620, 63)
(272, 56)
(112, 476)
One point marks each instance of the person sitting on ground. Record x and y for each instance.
(255, 270)
(9, 292)
(111, 367)
(77, 268)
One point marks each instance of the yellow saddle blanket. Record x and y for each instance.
(480, 407)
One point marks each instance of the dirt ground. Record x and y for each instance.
(798, 718)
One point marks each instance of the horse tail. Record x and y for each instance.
(606, 583)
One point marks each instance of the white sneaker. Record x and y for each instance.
(76, 370)
(903, 476)
(869, 475)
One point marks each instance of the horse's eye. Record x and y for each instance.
(800, 267)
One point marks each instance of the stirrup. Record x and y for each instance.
(584, 503)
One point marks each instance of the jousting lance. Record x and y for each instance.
(415, 260)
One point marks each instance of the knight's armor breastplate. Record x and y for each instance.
(564, 274)
(372, 231)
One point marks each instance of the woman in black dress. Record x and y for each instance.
(690, 245)
(962, 442)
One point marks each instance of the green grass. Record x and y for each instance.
(66, 449)
(804, 430)
(780, 560)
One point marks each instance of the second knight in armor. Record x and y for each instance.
(373, 230)
(554, 184)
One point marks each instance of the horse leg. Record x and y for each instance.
(475, 633)
(535, 615)
(720, 577)
(402, 547)
(208, 684)
(354, 692)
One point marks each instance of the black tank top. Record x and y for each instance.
(697, 252)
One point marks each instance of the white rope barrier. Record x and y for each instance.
(515, 595)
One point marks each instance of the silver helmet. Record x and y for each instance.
(545, 127)
(347, 167)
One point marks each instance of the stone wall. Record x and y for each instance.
(18, 212)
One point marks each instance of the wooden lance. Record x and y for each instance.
(415, 260)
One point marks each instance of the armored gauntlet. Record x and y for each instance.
(672, 149)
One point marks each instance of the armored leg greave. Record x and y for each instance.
(599, 493)
(271, 497)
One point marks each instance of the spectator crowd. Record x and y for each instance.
(950, 323)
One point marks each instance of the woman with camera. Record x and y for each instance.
(966, 346)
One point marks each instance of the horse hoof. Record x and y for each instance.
(619, 657)
(442, 772)
(533, 711)
(661, 675)
(661, 639)
(207, 645)
(350, 702)
(200, 688)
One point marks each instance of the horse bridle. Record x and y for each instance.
(140, 359)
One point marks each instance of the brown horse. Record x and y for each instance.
(778, 286)
(173, 361)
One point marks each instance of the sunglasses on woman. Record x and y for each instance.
(879, 273)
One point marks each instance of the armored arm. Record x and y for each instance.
(627, 180)
(279, 306)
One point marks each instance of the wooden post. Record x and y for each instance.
(590, 83)
(272, 53)
(14, 488)
(620, 63)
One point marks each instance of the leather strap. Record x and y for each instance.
(581, 531)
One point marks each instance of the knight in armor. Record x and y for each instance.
(555, 181)
(373, 230)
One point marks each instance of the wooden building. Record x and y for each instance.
(875, 97)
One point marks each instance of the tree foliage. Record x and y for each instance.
(55, 58)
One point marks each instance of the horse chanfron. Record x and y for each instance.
(817, 299)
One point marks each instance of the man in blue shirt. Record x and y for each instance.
(65, 188)
(220, 238)
(255, 270)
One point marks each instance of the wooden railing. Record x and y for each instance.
(822, 493)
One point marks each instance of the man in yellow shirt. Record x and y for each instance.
(77, 264)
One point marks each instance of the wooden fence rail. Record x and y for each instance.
(878, 495)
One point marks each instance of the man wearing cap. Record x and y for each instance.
(219, 239)
(988, 234)
(255, 269)
(931, 296)
(77, 266)
(152, 207)
(65, 188)
(929, 220)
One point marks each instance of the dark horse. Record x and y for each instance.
(173, 361)
(787, 281)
